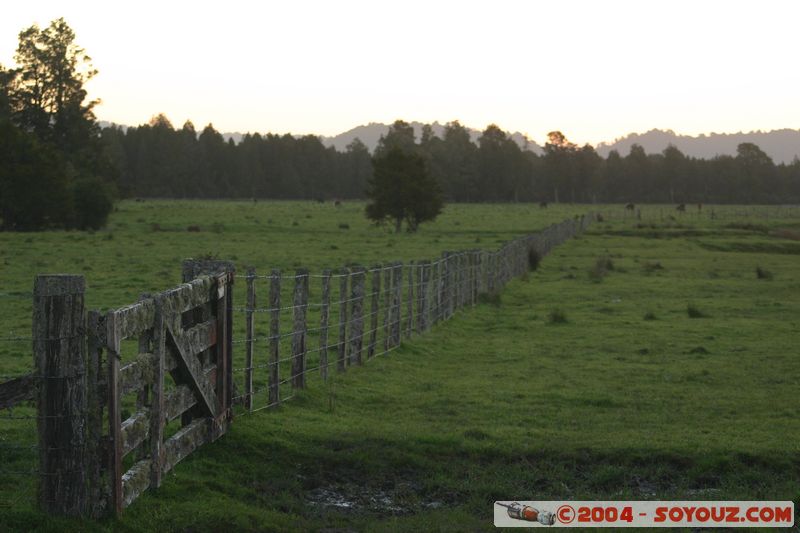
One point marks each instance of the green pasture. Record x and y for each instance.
(654, 357)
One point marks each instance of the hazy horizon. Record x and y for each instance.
(597, 71)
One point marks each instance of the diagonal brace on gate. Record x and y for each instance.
(186, 344)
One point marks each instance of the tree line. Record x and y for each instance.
(58, 168)
(158, 160)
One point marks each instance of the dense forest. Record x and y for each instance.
(158, 160)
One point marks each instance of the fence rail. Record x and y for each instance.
(123, 396)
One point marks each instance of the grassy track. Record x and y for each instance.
(589, 380)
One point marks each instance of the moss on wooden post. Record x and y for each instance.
(299, 335)
(59, 345)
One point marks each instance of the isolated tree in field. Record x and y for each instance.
(402, 190)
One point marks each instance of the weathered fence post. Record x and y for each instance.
(476, 276)
(436, 295)
(324, 315)
(387, 304)
(59, 354)
(410, 301)
(341, 359)
(397, 303)
(357, 316)
(491, 273)
(274, 385)
(374, 309)
(450, 285)
(143, 398)
(250, 324)
(422, 267)
(98, 489)
(458, 286)
(443, 273)
(157, 418)
(113, 393)
(300, 306)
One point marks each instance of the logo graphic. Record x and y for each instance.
(527, 513)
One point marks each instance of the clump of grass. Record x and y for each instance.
(694, 312)
(491, 298)
(533, 259)
(747, 226)
(557, 316)
(344, 225)
(476, 434)
(763, 273)
(649, 315)
(295, 223)
(602, 266)
(334, 247)
(699, 350)
(217, 227)
(155, 227)
(652, 266)
(109, 236)
(786, 233)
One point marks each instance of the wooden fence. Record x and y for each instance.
(122, 396)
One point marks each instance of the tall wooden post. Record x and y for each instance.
(59, 351)
(98, 493)
(374, 310)
(397, 291)
(387, 304)
(299, 336)
(274, 338)
(249, 325)
(324, 315)
(422, 268)
(341, 358)
(410, 301)
(357, 316)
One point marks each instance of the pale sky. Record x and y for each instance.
(596, 70)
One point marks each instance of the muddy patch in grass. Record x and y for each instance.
(402, 498)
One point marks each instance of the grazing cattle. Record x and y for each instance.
(630, 207)
(681, 208)
(337, 203)
(543, 205)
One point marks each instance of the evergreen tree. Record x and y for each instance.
(402, 190)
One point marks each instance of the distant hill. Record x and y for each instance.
(781, 145)
(371, 133)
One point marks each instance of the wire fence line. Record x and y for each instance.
(288, 334)
(361, 312)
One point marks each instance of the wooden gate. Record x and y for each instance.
(182, 370)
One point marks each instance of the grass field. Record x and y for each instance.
(647, 359)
